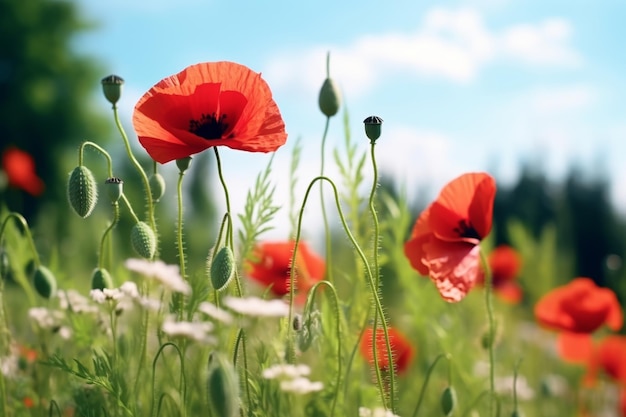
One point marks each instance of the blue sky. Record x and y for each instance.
(461, 85)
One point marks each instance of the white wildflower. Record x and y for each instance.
(65, 332)
(105, 294)
(167, 275)
(504, 385)
(215, 312)
(300, 385)
(254, 306)
(129, 288)
(376, 412)
(198, 331)
(45, 318)
(72, 300)
(286, 371)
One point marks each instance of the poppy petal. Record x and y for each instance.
(454, 267)
(575, 347)
(413, 248)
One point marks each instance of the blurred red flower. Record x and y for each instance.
(622, 402)
(402, 350)
(272, 266)
(575, 347)
(19, 167)
(505, 264)
(208, 104)
(445, 238)
(580, 307)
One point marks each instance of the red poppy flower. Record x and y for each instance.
(579, 307)
(575, 347)
(208, 104)
(402, 350)
(272, 267)
(504, 263)
(622, 402)
(445, 238)
(610, 358)
(28, 402)
(19, 167)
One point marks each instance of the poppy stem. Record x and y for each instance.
(492, 330)
(178, 298)
(116, 218)
(376, 285)
(427, 379)
(102, 151)
(327, 235)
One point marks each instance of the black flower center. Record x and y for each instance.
(210, 126)
(466, 229)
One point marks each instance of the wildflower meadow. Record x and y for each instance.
(391, 313)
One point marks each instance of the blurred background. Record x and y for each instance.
(532, 92)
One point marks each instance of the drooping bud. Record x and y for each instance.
(222, 387)
(115, 188)
(157, 186)
(330, 96)
(448, 401)
(222, 268)
(82, 191)
(112, 88)
(373, 127)
(101, 279)
(183, 163)
(44, 282)
(143, 240)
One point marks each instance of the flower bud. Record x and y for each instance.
(448, 401)
(329, 98)
(44, 282)
(222, 268)
(101, 279)
(223, 388)
(82, 191)
(143, 240)
(115, 188)
(372, 127)
(183, 163)
(157, 186)
(112, 88)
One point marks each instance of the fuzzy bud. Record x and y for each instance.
(222, 387)
(115, 188)
(157, 186)
(448, 401)
(329, 98)
(44, 282)
(222, 268)
(373, 127)
(143, 240)
(112, 88)
(101, 279)
(82, 191)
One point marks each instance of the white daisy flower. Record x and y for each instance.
(215, 312)
(301, 385)
(74, 301)
(254, 306)
(198, 331)
(167, 275)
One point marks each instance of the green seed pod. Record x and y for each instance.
(329, 98)
(112, 88)
(183, 163)
(115, 188)
(223, 387)
(82, 191)
(44, 282)
(222, 268)
(448, 401)
(101, 279)
(157, 186)
(143, 240)
(373, 127)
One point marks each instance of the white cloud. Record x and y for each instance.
(449, 44)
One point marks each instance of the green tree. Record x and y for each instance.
(46, 89)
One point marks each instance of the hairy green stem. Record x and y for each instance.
(428, 374)
(102, 151)
(327, 235)
(492, 331)
(182, 386)
(116, 218)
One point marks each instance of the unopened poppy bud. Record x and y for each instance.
(112, 88)
(143, 240)
(372, 127)
(44, 282)
(223, 387)
(183, 163)
(115, 188)
(101, 279)
(448, 401)
(222, 268)
(297, 322)
(157, 186)
(82, 191)
(329, 98)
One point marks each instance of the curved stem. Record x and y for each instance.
(327, 236)
(492, 331)
(309, 303)
(370, 276)
(142, 173)
(428, 374)
(116, 218)
(102, 151)
(130, 208)
(182, 387)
